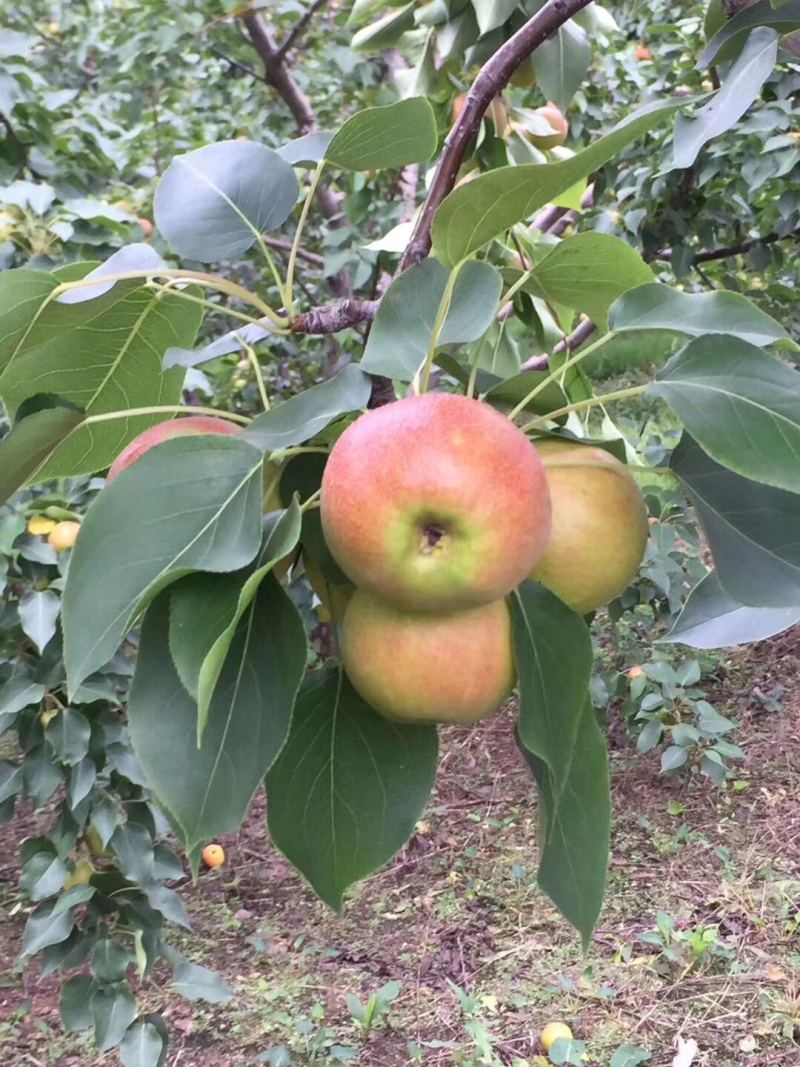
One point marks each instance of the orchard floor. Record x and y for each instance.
(459, 908)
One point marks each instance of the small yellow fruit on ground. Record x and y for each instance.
(63, 535)
(635, 672)
(552, 1032)
(213, 855)
(80, 876)
(41, 527)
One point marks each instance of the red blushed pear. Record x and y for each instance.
(435, 503)
(599, 526)
(165, 431)
(428, 668)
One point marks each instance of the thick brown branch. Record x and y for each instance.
(493, 78)
(294, 34)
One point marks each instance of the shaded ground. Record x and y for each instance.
(459, 908)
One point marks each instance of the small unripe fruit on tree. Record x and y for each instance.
(599, 525)
(147, 226)
(428, 668)
(63, 536)
(435, 503)
(164, 431)
(213, 855)
(557, 122)
(642, 53)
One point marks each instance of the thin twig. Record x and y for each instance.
(298, 28)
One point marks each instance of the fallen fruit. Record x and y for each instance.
(552, 1032)
(599, 525)
(41, 527)
(213, 855)
(428, 668)
(435, 503)
(635, 672)
(63, 535)
(164, 431)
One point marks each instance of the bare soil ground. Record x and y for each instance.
(459, 908)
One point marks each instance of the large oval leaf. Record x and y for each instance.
(41, 425)
(401, 334)
(712, 618)
(192, 503)
(248, 717)
(475, 213)
(660, 307)
(348, 788)
(741, 405)
(390, 136)
(213, 203)
(724, 45)
(753, 530)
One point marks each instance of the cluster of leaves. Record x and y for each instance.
(97, 878)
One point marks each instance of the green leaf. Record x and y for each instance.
(629, 1056)
(472, 215)
(751, 529)
(741, 405)
(386, 31)
(110, 961)
(561, 63)
(742, 86)
(133, 847)
(41, 776)
(169, 904)
(575, 831)
(348, 787)
(141, 1046)
(134, 257)
(43, 876)
(725, 45)
(103, 355)
(403, 328)
(156, 522)
(68, 735)
(38, 611)
(22, 293)
(81, 779)
(553, 652)
(75, 895)
(16, 694)
(247, 721)
(712, 618)
(493, 13)
(310, 148)
(113, 1011)
(198, 983)
(46, 927)
(567, 1050)
(588, 272)
(513, 391)
(281, 536)
(660, 307)
(33, 438)
(11, 779)
(303, 416)
(76, 1014)
(390, 136)
(215, 202)
(673, 758)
